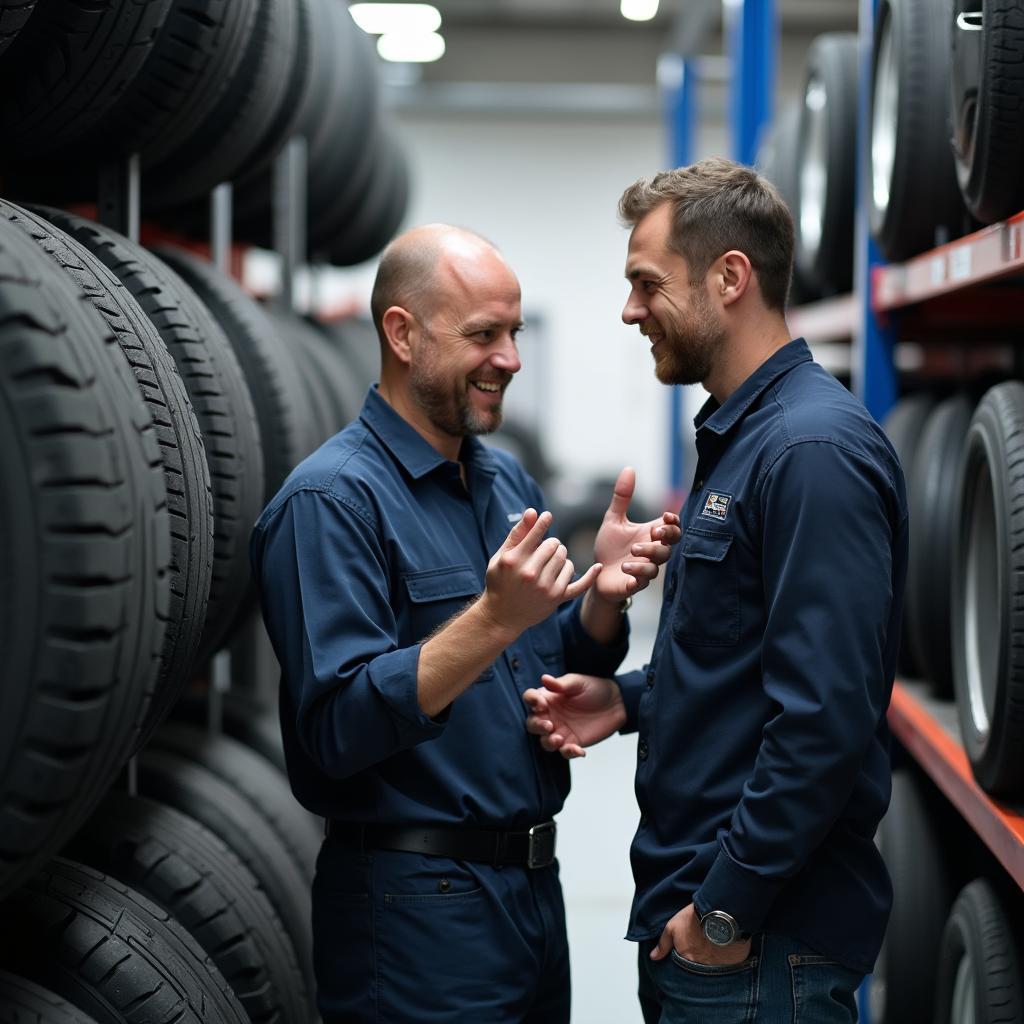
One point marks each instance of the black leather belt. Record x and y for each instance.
(533, 847)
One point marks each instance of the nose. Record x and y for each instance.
(506, 357)
(634, 312)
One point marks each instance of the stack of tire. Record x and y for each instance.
(205, 92)
(952, 917)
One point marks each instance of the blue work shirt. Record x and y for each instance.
(372, 543)
(763, 750)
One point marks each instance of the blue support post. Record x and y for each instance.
(753, 33)
(875, 380)
(679, 83)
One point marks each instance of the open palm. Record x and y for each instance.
(574, 711)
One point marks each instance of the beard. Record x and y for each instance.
(688, 350)
(446, 401)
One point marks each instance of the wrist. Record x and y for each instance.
(491, 621)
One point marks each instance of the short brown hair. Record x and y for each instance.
(718, 205)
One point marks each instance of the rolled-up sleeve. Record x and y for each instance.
(325, 590)
(828, 532)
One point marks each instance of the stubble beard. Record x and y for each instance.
(688, 351)
(446, 403)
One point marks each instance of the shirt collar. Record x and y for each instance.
(409, 447)
(719, 419)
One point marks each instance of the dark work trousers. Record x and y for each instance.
(403, 937)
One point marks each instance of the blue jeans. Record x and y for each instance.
(402, 938)
(782, 982)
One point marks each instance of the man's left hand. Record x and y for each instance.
(684, 934)
(631, 553)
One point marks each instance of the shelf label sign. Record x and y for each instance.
(937, 271)
(960, 263)
(1016, 241)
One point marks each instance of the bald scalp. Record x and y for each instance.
(407, 275)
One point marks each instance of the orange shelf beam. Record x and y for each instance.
(999, 826)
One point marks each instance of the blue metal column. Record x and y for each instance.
(875, 380)
(679, 83)
(753, 35)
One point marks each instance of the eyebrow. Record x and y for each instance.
(632, 275)
(474, 326)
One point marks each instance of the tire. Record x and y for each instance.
(913, 200)
(270, 372)
(111, 952)
(777, 161)
(24, 1002)
(988, 590)
(827, 161)
(242, 718)
(220, 396)
(357, 344)
(978, 977)
(987, 106)
(71, 63)
(84, 553)
(933, 496)
(904, 426)
(13, 15)
(186, 476)
(903, 984)
(199, 793)
(185, 869)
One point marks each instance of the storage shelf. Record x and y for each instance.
(985, 255)
(826, 320)
(929, 729)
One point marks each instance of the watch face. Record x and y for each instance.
(719, 929)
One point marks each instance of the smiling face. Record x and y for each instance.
(464, 355)
(686, 332)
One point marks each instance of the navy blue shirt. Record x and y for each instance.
(763, 764)
(370, 545)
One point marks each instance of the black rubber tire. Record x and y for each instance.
(183, 867)
(923, 204)
(988, 591)
(242, 718)
(933, 497)
(904, 426)
(220, 396)
(270, 371)
(254, 778)
(232, 135)
(69, 65)
(903, 984)
(824, 242)
(777, 161)
(13, 16)
(357, 344)
(84, 552)
(25, 1002)
(200, 793)
(110, 951)
(186, 476)
(987, 108)
(978, 941)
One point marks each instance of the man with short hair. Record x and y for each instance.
(763, 765)
(408, 621)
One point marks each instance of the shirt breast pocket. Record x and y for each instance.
(708, 607)
(436, 595)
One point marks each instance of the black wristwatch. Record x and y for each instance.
(721, 928)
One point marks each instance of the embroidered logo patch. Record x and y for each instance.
(716, 506)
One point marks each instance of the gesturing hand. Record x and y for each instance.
(574, 711)
(529, 577)
(631, 552)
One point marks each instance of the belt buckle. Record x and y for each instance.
(541, 851)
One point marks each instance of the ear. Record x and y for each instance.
(399, 325)
(733, 275)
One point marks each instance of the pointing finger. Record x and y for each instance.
(520, 530)
(584, 583)
(622, 494)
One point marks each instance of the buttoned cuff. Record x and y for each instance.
(738, 891)
(393, 676)
(583, 653)
(631, 685)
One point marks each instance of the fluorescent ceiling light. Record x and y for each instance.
(411, 47)
(639, 10)
(377, 19)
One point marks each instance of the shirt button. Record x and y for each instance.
(641, 750)
(650, 677)
(515, 662)
(444, 885)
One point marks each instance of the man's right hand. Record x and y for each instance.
(574, 711)
(528, 577)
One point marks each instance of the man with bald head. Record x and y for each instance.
(408, 620)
